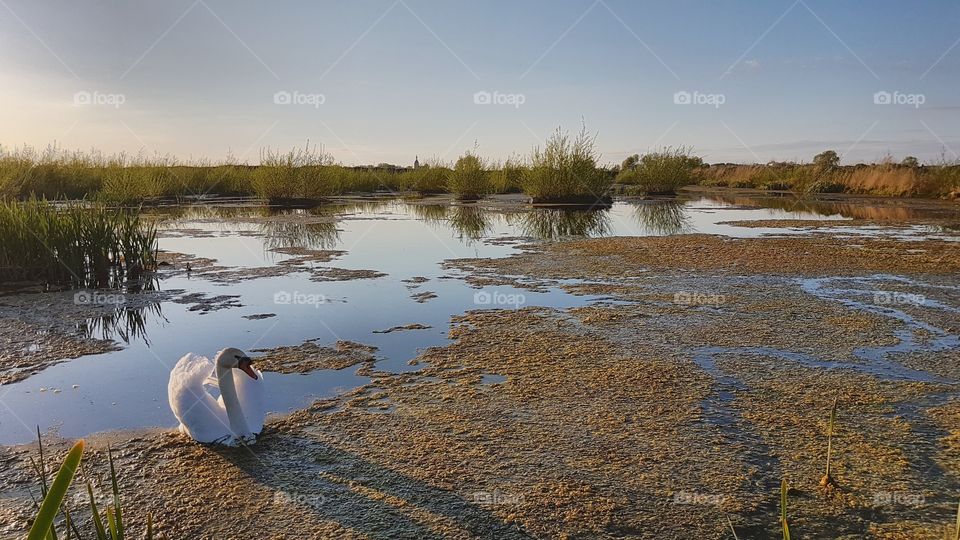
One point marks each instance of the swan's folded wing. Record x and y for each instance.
(200, 416)
(253, 398)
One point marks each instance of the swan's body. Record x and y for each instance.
(236, 417)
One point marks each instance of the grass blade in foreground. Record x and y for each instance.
(783, 509)
(56, 494)
(732, 530)
(957, 534)
(117, 508)
(95, 512)
(827, 479)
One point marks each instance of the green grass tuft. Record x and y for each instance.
(565, 171)
(81, 244)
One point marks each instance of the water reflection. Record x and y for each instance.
(287, 234)
(126, 324)
(550, 224)
(429, 213)
(470, 222)
(123, 322)
(879, 211)
(663, 217)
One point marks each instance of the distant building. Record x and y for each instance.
(416, 162)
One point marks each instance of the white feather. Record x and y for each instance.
(204, 418)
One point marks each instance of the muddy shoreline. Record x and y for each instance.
(703, 375)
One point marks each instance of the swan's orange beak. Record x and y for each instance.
(245, 365)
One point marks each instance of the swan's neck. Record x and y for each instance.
(238, 423)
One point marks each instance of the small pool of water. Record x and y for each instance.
(127, 388)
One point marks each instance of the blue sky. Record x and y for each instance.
(384, 80)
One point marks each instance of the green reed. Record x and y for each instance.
(54, 500)
(565, 170)
(661, 172)
(76, 243)
(469, 179)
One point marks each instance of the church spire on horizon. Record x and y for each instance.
(416, 162)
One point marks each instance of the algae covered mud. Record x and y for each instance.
(488, 370)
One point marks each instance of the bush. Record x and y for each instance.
(665, 171)
(468, 180)
(297, 174)
(566, 171)
(508, 177)
(429, 178)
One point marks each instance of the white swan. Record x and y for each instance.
(237, 416)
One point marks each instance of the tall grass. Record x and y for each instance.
(508, 176)
(297, 174)
(783, 509)
(82, 244)
(883, 179)
(54, 496)
(565, 171)
(469, 179)
(431, 177)
(661, 172)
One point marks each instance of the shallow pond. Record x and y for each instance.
(127, 388)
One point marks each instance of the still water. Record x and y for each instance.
(127, 388)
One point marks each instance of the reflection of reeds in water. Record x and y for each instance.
(287, 234)
(470, 222)
(662, 217)
(552, 223)
(313, 234)
(792, 203)
(431, 213)
(125, 323)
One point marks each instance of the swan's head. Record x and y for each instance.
(235, 358)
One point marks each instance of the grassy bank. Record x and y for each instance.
(885, 179)
(566, 169)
